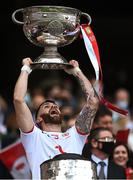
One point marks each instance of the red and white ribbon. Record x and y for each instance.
(93, 53)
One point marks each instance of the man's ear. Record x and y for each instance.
(94, 143)
(39, 120)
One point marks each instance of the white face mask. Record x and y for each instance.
(122, 104)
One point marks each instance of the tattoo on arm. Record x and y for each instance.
(85, 119)
(85, 90)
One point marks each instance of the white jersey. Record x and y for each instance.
(41, 146)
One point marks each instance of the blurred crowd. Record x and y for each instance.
(71, 103)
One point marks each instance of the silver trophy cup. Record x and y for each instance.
(50, 27)
(68, 166)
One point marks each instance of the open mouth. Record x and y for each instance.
(54, 112)
(121, 160)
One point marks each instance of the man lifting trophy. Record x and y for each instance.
(49, 157)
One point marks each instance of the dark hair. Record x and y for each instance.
(129, 162)
(48, 100)
(102, 111)
(94, 134)
(122, 144)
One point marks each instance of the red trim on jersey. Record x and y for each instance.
(29, 131)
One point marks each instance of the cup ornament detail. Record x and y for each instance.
(50, 27)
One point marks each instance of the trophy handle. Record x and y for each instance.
(87, 16)
(14, 18)
(78, 27)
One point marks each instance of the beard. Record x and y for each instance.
(52, 119)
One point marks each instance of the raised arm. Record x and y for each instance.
(87, 114)
(23, 114)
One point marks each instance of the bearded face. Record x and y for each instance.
(50, 113)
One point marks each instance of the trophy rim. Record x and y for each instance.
(65, 7)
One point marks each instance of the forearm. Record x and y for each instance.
(86, 117)
(23, 114)
(21, 86)
(85, 84)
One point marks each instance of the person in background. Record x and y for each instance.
(3, 112)
(121, 156)
(122, 100)
(37, 98)
(62, 95)
(98, 150)
(68, 116)
(44, 140)
(103, 118)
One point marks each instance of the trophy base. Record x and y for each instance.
(50, 59)
(54, 66)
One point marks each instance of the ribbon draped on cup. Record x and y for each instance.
(93, 52)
